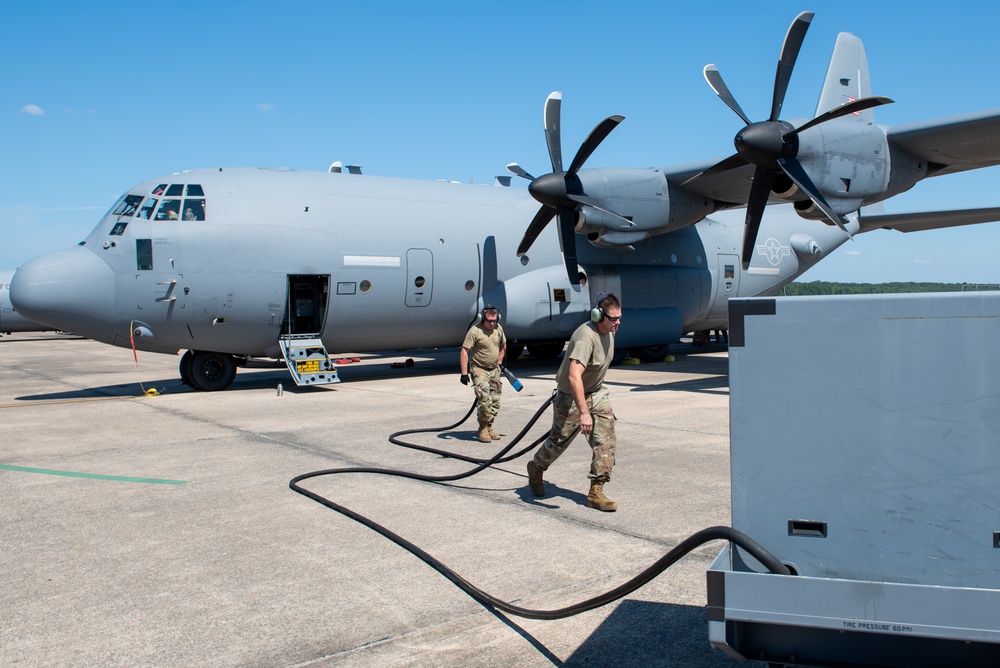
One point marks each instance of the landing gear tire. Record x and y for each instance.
(651, 354)
(546, 351)
(211, 372)
(185, 367)
(619, 356)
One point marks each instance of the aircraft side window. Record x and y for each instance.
(144, 254)
(194, 209)
(128, 205)
(730, 271)
(146, 212)
(175, 190)
(170, 209)
(195, 190)
(118, 230)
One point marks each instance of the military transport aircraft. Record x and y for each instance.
(10, 320)
(229, 264)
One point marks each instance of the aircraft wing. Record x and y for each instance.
(731, 187)
(952, 144)
(929, 220)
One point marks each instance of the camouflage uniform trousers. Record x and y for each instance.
(486, 383)
(566, 424)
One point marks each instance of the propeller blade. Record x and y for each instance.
(567, 241)
(843, 110)
(786, 63)
(714, 79)
(759, 192)
(593, 140)
(732, 162)
(793, 168)
(593, 203)
(551, 119)
(517, 170)
(538, 223)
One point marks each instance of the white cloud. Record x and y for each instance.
(265, 107)
(852, 252)
(921, 260)
(32, 109)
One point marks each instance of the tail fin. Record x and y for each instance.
(847, 77)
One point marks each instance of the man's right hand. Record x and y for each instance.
(465, 379)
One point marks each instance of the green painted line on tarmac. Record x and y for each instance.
(93, 476)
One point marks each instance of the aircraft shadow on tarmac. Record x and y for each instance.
(528, 370)
(713, 385)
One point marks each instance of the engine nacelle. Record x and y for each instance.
(808, 210)
(594, 221)
(617, 240)
(642, 196)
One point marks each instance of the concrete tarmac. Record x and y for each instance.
(161, 531)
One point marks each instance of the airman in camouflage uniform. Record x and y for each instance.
(582, 403)
(482, 354)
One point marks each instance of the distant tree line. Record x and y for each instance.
(826, 288)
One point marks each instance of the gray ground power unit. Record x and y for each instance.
(865, 453)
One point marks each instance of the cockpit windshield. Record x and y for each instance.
(168, 201)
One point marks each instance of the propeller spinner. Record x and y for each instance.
(561, 192)
(772, 145)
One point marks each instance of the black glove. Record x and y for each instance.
(465, 379)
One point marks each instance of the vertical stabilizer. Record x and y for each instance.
(847, 77)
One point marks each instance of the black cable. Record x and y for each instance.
(684, 547)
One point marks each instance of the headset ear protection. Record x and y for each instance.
(482, 314)
(597, 313)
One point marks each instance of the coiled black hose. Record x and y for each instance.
(684, 547)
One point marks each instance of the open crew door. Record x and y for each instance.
(301, 332)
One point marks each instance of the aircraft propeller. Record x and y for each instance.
(772, 145)
(561, 192)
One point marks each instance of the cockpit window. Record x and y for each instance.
(127, 206)
(169, 210)
(146, 211)
(190, 208)
(118, 230)
(194, 209)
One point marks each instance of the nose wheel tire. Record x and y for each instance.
(185, 367)
(208, 371)
(651, 354)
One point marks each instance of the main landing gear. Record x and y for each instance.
(207, 371)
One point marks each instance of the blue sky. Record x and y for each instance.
(100, 96)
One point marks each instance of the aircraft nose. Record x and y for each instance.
(72, 290)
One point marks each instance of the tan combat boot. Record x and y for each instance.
(495, 436)
(535, 479)
(484, 433)
(596, 498)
